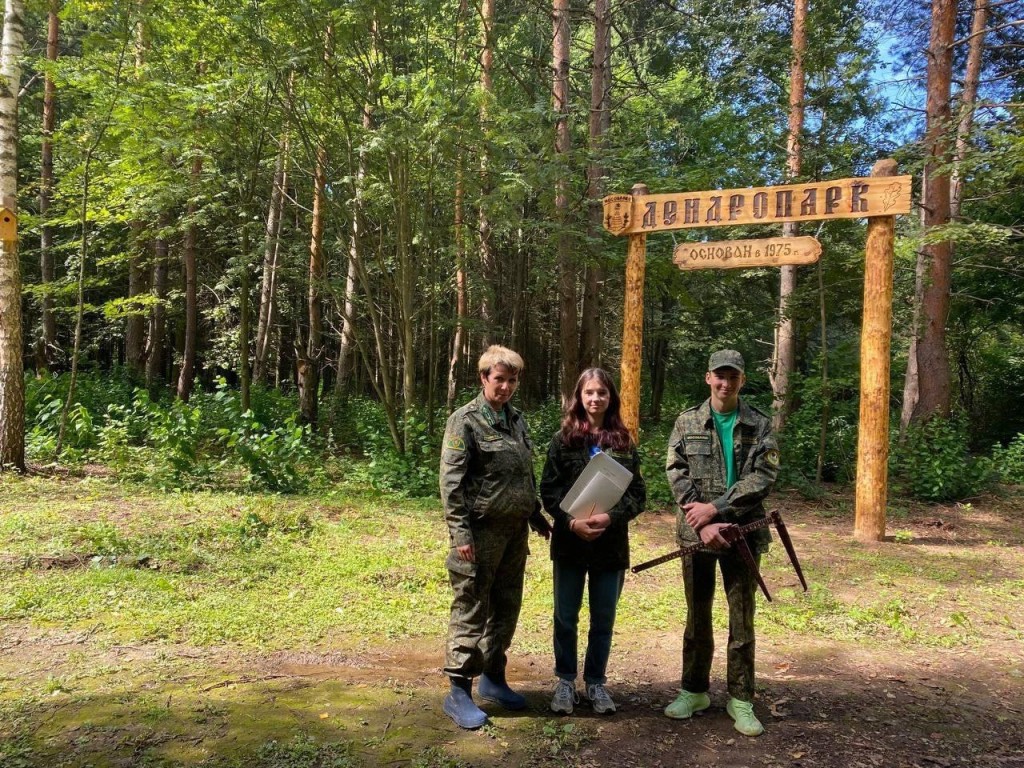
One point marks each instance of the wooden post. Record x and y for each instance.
(633, 326)
(875, 343)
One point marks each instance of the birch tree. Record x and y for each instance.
(12, 384)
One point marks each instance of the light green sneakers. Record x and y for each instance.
(742, 713)
(686, 704)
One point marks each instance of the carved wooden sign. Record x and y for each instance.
(730, 254)
(839, 199)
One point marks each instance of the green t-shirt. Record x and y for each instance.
(724, 424)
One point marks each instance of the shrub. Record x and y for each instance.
(653, 449)
(800, 441)
(273, 457)
(544, 420)
(935, 465)
(1008, 462)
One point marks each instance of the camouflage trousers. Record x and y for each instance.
(699, 639)
(488, 595)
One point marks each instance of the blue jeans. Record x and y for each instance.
(604, 590)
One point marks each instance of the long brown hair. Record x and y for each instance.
(576, 429)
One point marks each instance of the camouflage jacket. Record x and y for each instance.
(486, 470)
(696, 469)
(610, 550)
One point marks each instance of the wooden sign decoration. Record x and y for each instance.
(838, 199)
(732, 254)
(618, 213)
(879, 199)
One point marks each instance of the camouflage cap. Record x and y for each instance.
(725, 358)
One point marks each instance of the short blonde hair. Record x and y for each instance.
(499, 355)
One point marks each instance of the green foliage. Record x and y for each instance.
(934, 464)
(305, 752)
(171, 443)
(652, 449)
(262, 518)
(1008, 461)
(544, 421)
(800, 442)
(563, 737)
(436, 757)
(275, 458)
(364, 428)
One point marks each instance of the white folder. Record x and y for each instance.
(598, 488)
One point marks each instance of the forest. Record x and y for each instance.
(250, 254)
(252, 236)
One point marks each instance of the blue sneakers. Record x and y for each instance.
(499, 692)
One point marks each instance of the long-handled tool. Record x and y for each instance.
(736, 536)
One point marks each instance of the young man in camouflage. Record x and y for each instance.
(490, 499)
(722, 462)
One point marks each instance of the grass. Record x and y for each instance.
(158, 584)
(269, 572)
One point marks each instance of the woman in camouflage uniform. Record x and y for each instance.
(489, 498)
(594, 550)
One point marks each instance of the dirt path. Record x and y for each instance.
(822, 705)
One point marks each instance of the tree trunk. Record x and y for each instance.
(460, 298)
(268, 289)
(568, 340)
(407, 274)
(380, 378)
(135, 327)
(933, 274)
(600, 122)
(347, 349)
(310, 362)
(157, 342)
(79, 304)
(46, 346)
(784, 364)
(348, 340)
(488, 260)
(188, 255)
(968, 99)
(826, 394)
(659, 357)
(244, 371)
(12, 383)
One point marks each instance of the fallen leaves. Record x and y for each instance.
(776, 707)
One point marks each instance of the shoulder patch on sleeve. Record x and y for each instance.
(455, 443)
(772, 458)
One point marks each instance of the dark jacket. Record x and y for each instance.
(610, 550)
(696, 469)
